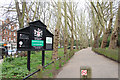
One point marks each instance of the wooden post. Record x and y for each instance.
(67, 56)
(65, 59)
(39, 74)
(28, 60)
(54, 67)
(60, 62)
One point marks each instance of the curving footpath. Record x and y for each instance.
(101, 66)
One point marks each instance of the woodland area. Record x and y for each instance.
(97, 25)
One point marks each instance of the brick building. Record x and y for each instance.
(8, 32)
(0, 34)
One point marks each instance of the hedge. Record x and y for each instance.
(109, 53)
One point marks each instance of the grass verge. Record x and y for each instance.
(17, 67)
(109, 53)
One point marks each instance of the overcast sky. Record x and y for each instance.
(7, 2)
(81, 5)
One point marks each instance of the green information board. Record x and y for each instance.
(37, 43)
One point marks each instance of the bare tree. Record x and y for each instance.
(118, 41)
(97, 30)
(65, 28)
(108, 30)
(20, 14)
(57, 29)
(114, 35)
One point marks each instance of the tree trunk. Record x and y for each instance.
(108, 30)
(105, 39)
(113, 40)
(60, 43)
(72, 43)
(91, 44)
(65, 46)
(72, 37)
(106, 35)
(114, 36)
(57, 32)
(118, 42)
(77, 44)
(55, 47)
(65, 29)
(20, 14)
(96, 42)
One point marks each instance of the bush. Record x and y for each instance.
(9, 59)
(109, 53)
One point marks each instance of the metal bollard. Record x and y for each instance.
(85, 72)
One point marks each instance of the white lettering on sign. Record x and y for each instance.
(49, 40)
(38, 33)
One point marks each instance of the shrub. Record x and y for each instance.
(109, 53)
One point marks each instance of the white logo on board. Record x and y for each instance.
(20, 43)
(38, 32)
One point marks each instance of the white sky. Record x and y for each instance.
(81, 5)
(7, 2)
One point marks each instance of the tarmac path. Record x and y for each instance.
(100, 65)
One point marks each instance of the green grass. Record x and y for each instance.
(0, 71)
(17, 67)
(110, 53)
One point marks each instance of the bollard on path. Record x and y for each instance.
(85, 72)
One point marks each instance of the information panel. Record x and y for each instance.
(37, 43)
(48, 40)
(49, 43)
(23, 40)
(35, 37)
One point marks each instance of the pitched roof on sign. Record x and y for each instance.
(26, 29)
(48, 32)
(38, 23)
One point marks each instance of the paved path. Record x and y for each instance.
(101, 66)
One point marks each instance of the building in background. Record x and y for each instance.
(1, 42)
(8, 32)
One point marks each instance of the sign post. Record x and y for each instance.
(35, 37)
(28, 60)
(43, 57)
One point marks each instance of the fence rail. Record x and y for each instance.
(65, 56)
(31, 74)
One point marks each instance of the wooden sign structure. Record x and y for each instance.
(35, 37)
